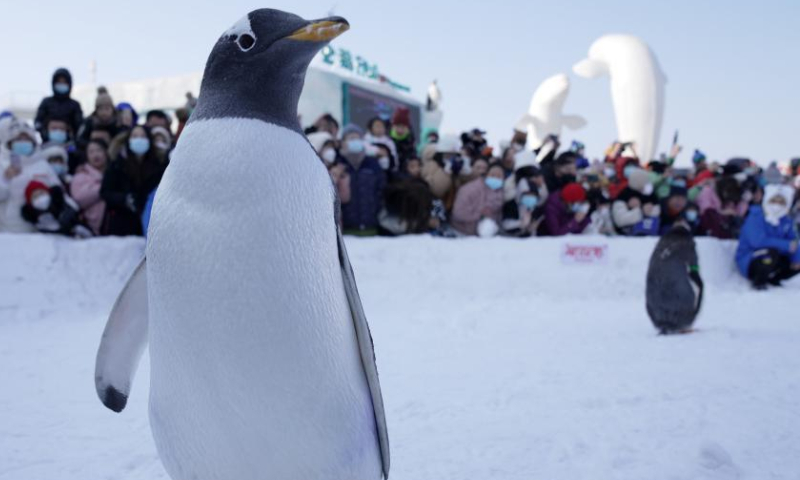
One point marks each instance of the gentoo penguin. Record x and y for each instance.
(262, 362)
(674, 287)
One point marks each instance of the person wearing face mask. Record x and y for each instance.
(523, 214)
(104, 116)
(59, 134)
(768, 252)
(563, 171)
(57, 157)
(481, 199)
(128, 181)
(385, 158)
(636, 211)
(85, 186)
(566, 212)
(377, 135)
(162, 140)
(367, 182)
(25, 164)
(49, 210)
(600, 216)
(59, 105)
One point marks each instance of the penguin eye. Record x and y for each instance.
(245, 42)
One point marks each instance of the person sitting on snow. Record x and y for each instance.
(51, 211)
(768, 246)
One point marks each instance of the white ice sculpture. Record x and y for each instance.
(637, 88)
(544, 115)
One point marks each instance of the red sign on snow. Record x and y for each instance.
(584, 254)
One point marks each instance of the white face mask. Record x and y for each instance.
(329, 155)
(648, 190)
(42, 202)
(384, 163)
(774, 212)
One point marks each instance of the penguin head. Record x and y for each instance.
(257, 67)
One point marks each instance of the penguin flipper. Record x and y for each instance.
(123, 342)
(366, 350)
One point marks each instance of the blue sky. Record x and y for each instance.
(732, 66)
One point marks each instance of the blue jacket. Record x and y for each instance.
(757, 234)
(366, 194)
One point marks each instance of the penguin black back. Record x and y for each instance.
(674, 288)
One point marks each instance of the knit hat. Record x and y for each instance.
(402, 116)
(698, 157)
(573, 193)
(351, 128)
(32, 187)
(103, 98)
(773, 175)
(128, 106)
(18, 128)
(54, 150)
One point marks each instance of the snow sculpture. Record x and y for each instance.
(544, 115)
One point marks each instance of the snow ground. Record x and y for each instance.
(497, 362)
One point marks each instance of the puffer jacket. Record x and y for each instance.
(471, 201)
(59, 106)
(758, 234)
(367, 183)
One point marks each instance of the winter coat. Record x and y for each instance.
(12, 192)
(559, 220)
(367, 183)
(708, 199)
(471, 200)
(85, 189)
(60, 218)
(59, 106)
(758, 234)
(625, 217)
(126, 184)
(406, 148)
(439, 180)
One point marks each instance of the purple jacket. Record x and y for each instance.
(559, 220)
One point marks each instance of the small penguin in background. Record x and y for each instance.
(261, 359)
(434, 97)
(674, 287)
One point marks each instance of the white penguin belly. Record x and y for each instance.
(255, 364)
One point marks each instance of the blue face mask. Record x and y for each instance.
(22, 147)
(59, 168)
(61, 88)
(493, 183)
(57, 136)
(529, 202)
(628, 170)
(691, 215)
(355, 145)
(139, 145)
(679, 182)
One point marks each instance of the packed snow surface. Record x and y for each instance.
(497, 362)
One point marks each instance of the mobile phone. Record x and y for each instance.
(16, 162)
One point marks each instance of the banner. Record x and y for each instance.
(584, 254)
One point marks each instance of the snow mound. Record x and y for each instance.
(497, 361)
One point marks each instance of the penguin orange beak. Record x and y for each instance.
(321, 31)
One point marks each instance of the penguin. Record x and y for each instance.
(262, 362)
(434, 98)
(674, 287)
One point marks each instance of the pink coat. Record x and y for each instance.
(85, 189)
(471, 200)
(708, 199)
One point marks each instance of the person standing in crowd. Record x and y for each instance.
(768, 251)
(56, 156)
(367, 182)
(480, 200)
(104, 117)
(128, 181)
(25, 166)
(723, 206)
(403, 137)
(86, 184)
(61, 137)
(60, 105)
(566, 211)
(162, 140)
(376, 135)
(126, 116)
(435, 159)
(673, 207)
(636, 210)
(408, 203)
(564, 172)
(158, 118)
(325, 123)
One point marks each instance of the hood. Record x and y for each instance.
(61, 72)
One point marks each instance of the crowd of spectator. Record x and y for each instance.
(97, 175)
